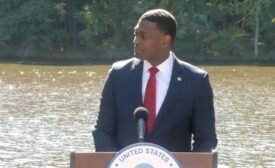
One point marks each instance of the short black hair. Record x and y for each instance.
(165, 21)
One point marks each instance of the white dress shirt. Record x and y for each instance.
(163, 78)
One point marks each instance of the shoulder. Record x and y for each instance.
(197, 77)
(125, 64)
(190, 68)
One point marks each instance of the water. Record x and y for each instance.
(48, 111)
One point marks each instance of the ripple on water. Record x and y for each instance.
(43, 120)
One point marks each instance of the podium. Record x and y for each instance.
(101, 159)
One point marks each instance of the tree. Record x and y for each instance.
(28, 27)
(211, 29)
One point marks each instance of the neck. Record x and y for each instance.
(160, 59)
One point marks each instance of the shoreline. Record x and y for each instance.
(93, 61)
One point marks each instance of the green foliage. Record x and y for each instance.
(108, 26)
(29, 28)
(208, 29)
(234, 44)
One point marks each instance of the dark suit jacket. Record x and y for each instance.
(185, 122)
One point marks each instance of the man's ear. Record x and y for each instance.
(167, 40)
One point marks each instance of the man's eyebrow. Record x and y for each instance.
(139, 30)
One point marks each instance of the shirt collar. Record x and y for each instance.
(165, 67)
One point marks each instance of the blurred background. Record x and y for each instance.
(55, 55)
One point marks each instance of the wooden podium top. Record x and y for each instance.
(101, 159)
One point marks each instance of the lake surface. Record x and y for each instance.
(48, 111)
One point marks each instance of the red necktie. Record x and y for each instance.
(150, 98)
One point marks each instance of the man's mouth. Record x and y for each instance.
(138, 50)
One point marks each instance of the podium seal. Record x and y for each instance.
(144, 155)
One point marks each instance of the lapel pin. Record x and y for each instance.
(179, 79)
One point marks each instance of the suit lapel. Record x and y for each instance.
(135, 83)
(176, 82)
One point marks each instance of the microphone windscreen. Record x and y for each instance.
(140, 112)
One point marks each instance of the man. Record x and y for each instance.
(181, 110)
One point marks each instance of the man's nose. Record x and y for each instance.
(136, 40)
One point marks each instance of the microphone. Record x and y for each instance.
(140, 115)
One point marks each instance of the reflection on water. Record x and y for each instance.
(48, 111)
(245, 110)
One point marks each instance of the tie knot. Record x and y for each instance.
(153, 70)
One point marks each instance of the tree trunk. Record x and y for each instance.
(256, 33)
(72, 24)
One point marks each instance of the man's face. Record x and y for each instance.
(148, 41)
